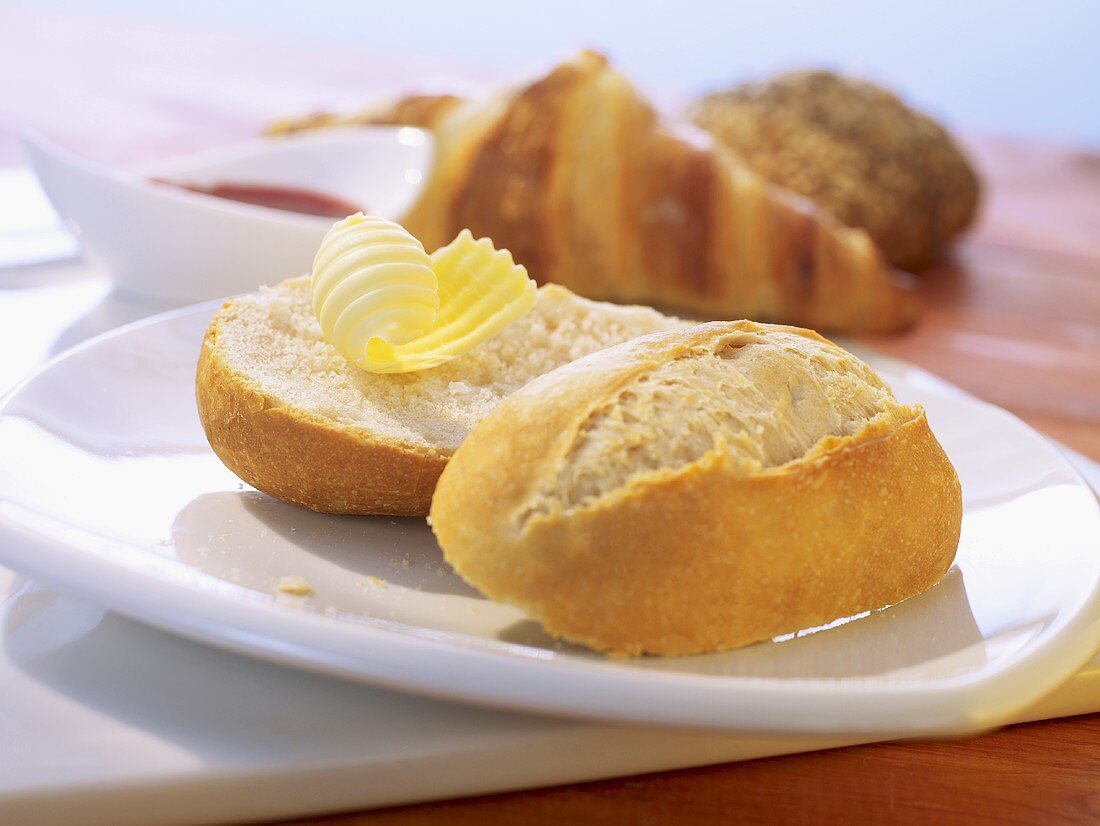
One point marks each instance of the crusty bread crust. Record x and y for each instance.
(696, 558)
(300, 458)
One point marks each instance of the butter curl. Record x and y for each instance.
(389, 307)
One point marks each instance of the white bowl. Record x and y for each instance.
(171, 243)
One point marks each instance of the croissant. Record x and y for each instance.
(589, 187)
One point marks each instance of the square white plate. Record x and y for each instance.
(109, 490)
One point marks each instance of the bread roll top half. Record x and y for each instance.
(699, 489)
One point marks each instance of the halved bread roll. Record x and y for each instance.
(700, 489)
(295, 419)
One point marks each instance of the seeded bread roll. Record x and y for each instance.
(295, 419)
(857, 151)
(700, 489)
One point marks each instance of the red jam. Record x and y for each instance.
(288, 199)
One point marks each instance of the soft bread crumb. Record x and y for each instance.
(295, 585)
(274, 339)
(761, 397)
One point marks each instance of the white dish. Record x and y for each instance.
(109, 490)
(170, 243)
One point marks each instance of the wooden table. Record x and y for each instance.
(1014, 318)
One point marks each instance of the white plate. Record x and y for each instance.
(108, 490)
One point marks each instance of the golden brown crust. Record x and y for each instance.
(510, 185)
(302, 460)
(422, 110)
(698, 558)
(578, 176)
(416, 110)
(857, 151)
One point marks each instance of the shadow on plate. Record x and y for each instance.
(242, 537)
(246, 537)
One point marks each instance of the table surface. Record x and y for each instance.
(1013, 317)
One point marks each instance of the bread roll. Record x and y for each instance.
(700, 489)
(295, 419)
(855, 150)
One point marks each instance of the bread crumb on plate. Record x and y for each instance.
(295, 585)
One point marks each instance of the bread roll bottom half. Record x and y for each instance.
(700, 489)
